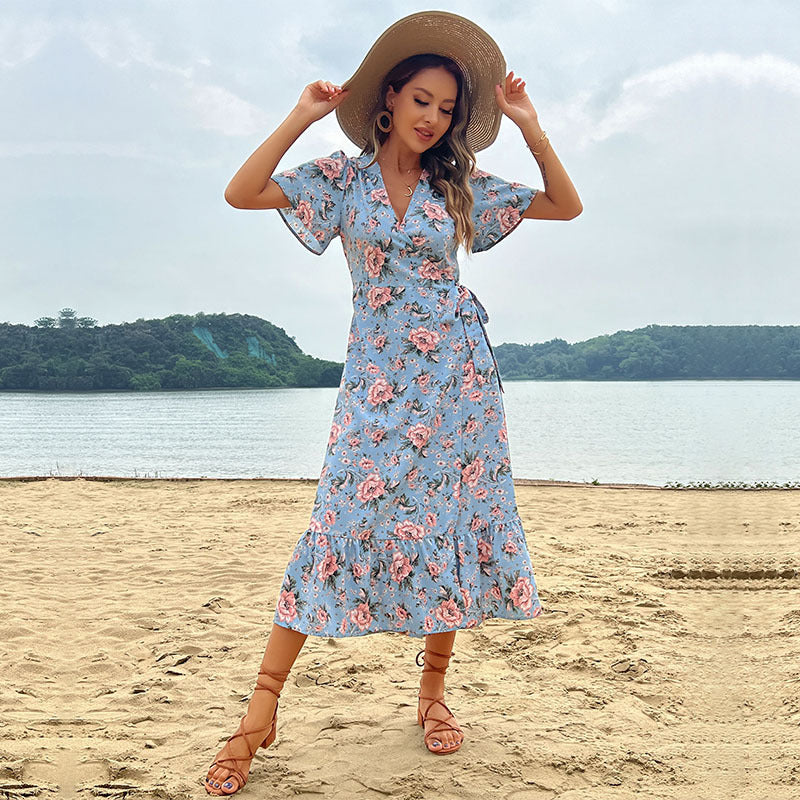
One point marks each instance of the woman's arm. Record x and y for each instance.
(559, 200)
(252, 186)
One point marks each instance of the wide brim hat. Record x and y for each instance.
(442, 32)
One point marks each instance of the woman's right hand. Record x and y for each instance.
(320, 98)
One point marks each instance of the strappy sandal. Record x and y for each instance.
(442, 724)
(268, 739)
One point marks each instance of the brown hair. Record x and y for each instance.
(451, 161)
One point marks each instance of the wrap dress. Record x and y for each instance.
(414, 527)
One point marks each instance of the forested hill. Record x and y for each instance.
(179, 352)
(661, 352)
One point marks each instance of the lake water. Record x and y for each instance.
(627, 432)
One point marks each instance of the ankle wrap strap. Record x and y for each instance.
(428, 666)
(280, 677)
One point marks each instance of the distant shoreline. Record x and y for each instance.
(314, 481)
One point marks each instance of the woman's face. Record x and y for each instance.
(423, 106)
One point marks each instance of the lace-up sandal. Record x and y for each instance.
(230, 762)
(442, 725)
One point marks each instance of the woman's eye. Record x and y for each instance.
(444, 110)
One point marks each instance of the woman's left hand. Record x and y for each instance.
(514, 102)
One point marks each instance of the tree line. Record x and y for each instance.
(202, 351)
(661, 352)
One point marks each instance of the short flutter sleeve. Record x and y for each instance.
(316, 191)
(499, 206)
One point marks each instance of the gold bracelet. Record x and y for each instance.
(530, 147)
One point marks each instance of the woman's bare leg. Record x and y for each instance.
(283, 646)
(432, 685)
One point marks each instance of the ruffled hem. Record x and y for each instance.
(341, 586)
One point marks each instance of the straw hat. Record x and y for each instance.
(439, 32)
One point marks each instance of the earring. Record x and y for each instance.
(388, 125)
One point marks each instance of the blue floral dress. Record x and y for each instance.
(415, 526)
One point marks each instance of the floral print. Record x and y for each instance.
(414, 527)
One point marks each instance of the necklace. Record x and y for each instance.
(409, 189)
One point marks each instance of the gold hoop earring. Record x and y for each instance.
(379, 120)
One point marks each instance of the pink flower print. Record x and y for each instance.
(373, 369)
(380, 392)
(354, 442)
(448, 613)
(419, 435)
(465, 596)
(433, 210)
(379, 342)
(366, 464)
(479, 173)
(331, 167)
(394, 460)
(428, 623)
(508, 218)
(484, 551)
(400, 567)
(428, 271)
(364, 535)
(476, 395)
(480, 494)
(379, 196)
(486, 216)
(351, 217)
(375, 259)
(327, 566)
(401, 613)
(423, 379)
(361, 616)
(336, 431)
(434, 569)
(315, 526)
(511, 547)
(477, 524)
(359, 570)
(430, 519)
(347, 418)
(502, 434)
(522, 594)
(372, 487)
(305, 213)
(379, 295)
(423, 339)
(472, 472)
(330, 517)
(469, 373)
(495, 592)
(322, 615)
(472, 425)
(343, 626)
(418, 240)
(287, 611)
(409, 530)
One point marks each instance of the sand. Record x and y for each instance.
(666, 664)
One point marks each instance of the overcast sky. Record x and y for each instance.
(123, 122)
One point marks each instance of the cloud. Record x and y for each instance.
(642, 96)
(22, 41)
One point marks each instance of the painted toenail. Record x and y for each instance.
(227, 785)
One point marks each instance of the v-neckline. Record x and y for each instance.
(400, 222)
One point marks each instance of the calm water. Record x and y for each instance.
(644, 432)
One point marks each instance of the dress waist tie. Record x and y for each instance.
(467, 296)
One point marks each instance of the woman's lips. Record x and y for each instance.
(426, 137)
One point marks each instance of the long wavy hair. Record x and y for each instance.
(451, 161)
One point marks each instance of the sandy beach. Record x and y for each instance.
(666, 664)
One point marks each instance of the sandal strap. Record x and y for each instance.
(439, 722)
(430, 667)
(280, 677)
(241, 732)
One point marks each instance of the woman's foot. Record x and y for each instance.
(443, 734)
(439, 723)
(231, 765)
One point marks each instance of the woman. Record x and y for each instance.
(415, 527)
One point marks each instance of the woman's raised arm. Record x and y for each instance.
(252, 186)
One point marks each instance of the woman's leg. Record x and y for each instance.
(283, 646)
(432, 685)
